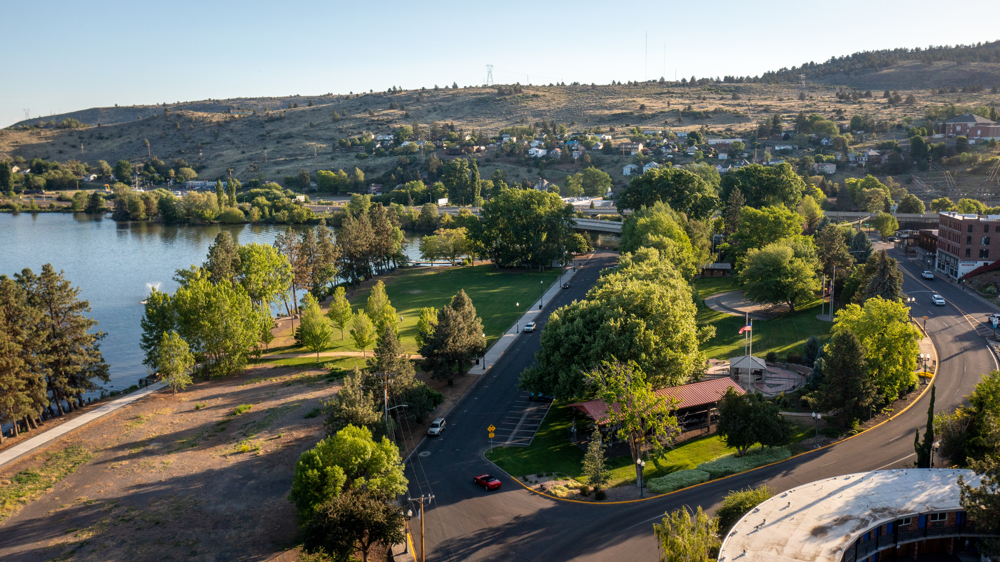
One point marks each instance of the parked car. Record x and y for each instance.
(540, 397)
(437, 426)
(994, 319)
(529, 327)
(937, 299)
(565, 285)
(927, 274)
(486, 481)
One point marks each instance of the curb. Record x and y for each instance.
(894, 416)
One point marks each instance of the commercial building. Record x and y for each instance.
(863, 517)
(971, 126)
(966, 242)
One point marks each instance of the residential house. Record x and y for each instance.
(375, 189)
(691, 150)
(722, 156)
(864, 157)
(578, 153)
(536, 143)
(606, 137)
(542, 185)
(555, 153)
(537, 152)
(631, 147)
(650, 166)
(630, 169)
(572, 143)
(722, 144)
(597, 146)
(385, 137)
(825, 168)
(719, 168)
(682, 134)
(16, 169)
(651, 132)
(785, 147)
(827, 141)
(90, 177)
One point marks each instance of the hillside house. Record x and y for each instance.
(375, 189)
(606, 137)
(597, 146)
(825, 168)
(555, 153)
(650, 166)
(537, 152)
(652, 132)
(630, 169)
(826, 141)
(867, 155)
(632, 148)
(972, 126)
(542, 185)
(722, 144)
(536, 143)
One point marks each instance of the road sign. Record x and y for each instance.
(491, 428)
(491, 435)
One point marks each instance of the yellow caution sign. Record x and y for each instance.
(491, 428)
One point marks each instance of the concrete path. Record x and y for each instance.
(510, 336)
(327, 354)
(46, 437)
(734, 304)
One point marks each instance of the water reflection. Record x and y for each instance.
(114, 265)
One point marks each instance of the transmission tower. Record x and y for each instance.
(489, 75)
(26, 111)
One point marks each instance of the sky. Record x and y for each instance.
(63, 56)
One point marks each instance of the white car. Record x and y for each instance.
(937, 299)
(927, 274)
(529, 327)
(437, 426)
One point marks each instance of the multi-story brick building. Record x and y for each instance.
(966, 242)
(972, 126)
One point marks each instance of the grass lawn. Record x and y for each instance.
(551, 451)
(708, 286)
(783, 335)
(493, 292)
(341, 364)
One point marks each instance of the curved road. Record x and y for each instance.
(466, 523)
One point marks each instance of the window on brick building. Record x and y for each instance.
(968, 252)
(968, 240)
(970, 228)
(984, 253)
(985, 241)
(986, 228)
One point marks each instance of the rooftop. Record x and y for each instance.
(969, 118)
(816, 522)
(689, 395)
(970, 216)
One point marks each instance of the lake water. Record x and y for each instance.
(115, 265)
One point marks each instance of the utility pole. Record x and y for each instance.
(421, 499)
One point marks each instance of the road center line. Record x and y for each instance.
(897, 460)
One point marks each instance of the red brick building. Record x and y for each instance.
(971, 126)
(966, 242)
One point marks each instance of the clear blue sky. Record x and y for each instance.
(64, 56)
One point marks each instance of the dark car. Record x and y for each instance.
(566, 285)
(538, 396)
(487, 481)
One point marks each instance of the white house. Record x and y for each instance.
(825, 168)
(630, 169)
(577, 154)
(384, 137)
(650, 166)
(827, 141)
(555, 153)
(542, 185)
(90, 177)
(682, 134)
(785, 147)
(536, 143)
(606, 137)
(652, 132)
(537, 152)
(597, 146)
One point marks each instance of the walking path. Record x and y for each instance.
(511, 335)
(734, 304)
(46, 437)
(327, 354)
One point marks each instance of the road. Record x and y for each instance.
(466, 523)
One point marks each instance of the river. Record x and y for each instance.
(116, 265)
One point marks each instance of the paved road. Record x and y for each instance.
(466, 523)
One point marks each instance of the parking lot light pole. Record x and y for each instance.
(517, 324)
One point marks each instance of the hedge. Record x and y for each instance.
(731, 464)
(678, 480)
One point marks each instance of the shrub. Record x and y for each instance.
(232, 215)
(200, 406)
(794, 358)
(242, 409)
(600, 495)
(312, 414)
(678, 480)
(771, 357)
(736, 504)
(731, 464)
(585, 490)
(560, 491)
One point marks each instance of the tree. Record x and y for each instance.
(782, 272)
(811, 212)
(354, 522)
(942, 204)
(861, 247)
(982, 503)
(363, 331)
(764, 186)
(924, 450)
(348, 460)
(594, 182)
(641, 418)
(760, 227)
(263, 272)
(910, 204)
(6, 177)
(682, 190)
(731, 214)
(885, 224)
(883, 328)
(832, 251)
(95, 204)
(223, 258)
(594, 462)
(847, 386)
(175, 361)
(22, 382)
(457, 338)
(314, 328)
(159, 319)
(353, 405)
(69, 354)
(811, 351)
(970, 432)
(389, 357)
(882, 278)
(123, 171)
(738, 503)
(425, 326)
(340, 311)
(683, 539)
(657, 226)
(748, 419)
(521, 226)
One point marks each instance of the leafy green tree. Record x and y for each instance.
(682, 538)
(594, 182)
(738, 503)
(970, 432)
(340, 311)
(175, 361)
(923, 450)
(6, 177)
(314, 328)
(760, 227)
(389, 356)
(982, 503)
(347, 460)
(970, 206)
(811, 350)
(354, 522)
(910, 204)
(883, 328)
(682, 190)
(123, 171)
(885, 224)
(425, 325)
(353, 405)
(220, 193)
(457, 338)
(656, 226)
(810, 212)
(747, 419)
(22, 382)
(223, 258)
(594, 462)
(832, 252)
(641, 418)
(942, 204)
(159, 319)
(847, 386)
(764, 186)
(263, 272)
(861, 247)
(95, 204)
(731, 214)
(523, 227)
(782, 272)
(363, 331)
(69, 354)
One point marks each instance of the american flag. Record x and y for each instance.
(746, 328)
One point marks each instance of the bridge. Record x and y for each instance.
(594, 225)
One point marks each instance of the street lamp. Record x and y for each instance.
(642, 465)
(541, 292)
(517, 325)
(934, 448)
(816, 417)
(484, 352)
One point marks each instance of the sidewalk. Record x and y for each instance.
(510, 336)
(46, 437)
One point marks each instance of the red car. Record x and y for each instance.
(487, 481)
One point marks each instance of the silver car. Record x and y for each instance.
(437, 426)
(937, 300)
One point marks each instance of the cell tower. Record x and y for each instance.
(489, 75)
